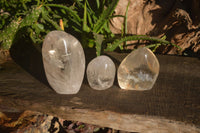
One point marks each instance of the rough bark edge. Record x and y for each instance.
(126, 122)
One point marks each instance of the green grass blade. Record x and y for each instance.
(85, 27)
(45, 16)
(117, 42)
(98, 4)
(125, 20)
(90, 20)
(105, 16)
(73, 13)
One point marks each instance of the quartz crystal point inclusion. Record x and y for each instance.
(139, 70)
(64, 62)
(101, 73)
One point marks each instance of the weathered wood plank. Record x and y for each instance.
(172, 105)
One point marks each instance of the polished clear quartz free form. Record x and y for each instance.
(139, 70)
(64, 62)
(101, 73)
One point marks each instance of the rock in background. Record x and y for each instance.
(179, 20)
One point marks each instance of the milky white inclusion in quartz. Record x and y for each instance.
(101, 73)
(64, 62)
(139, 70)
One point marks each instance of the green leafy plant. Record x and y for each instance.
(88, 22)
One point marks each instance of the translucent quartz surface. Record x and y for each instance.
(139, 70)
(101, 73)
(64, 62)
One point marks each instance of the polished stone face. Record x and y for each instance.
(101, 73)
(64, 62)
(139, 70)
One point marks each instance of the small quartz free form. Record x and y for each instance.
(101, 73)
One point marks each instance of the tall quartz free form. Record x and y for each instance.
(64, 62)
(139, 70)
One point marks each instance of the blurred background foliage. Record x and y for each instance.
(87, 20)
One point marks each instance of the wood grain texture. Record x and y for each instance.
(173, 105)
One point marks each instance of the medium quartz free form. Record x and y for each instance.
(64, 62)
(139, 70)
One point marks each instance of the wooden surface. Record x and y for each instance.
(172, 105)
